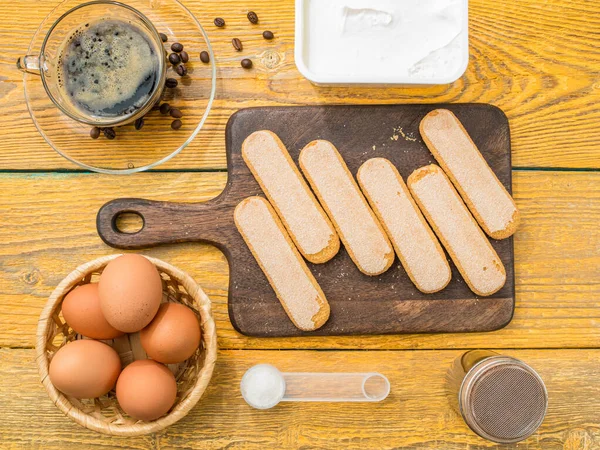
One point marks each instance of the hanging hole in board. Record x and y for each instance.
(128, 222)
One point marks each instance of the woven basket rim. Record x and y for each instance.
(209, 337)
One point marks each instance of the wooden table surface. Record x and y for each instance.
(537, 60)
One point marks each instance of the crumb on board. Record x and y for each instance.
(406, 136)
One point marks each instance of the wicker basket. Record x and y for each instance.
(104, 414)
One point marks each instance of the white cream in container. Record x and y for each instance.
(382, 41)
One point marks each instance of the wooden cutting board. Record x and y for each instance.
(360, 304)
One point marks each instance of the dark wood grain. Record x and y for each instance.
(359, 304)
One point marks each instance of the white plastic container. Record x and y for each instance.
(382, 42)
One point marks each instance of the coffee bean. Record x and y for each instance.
(175, 113)
(95, 133)
(252, 17)
(163, 37)
(171, 83)
(184, 56)
(109, 133)
(176, 124)
(204, 57)
(219, 22)
(181, 70)
(139, 123)
(174, 59)
(246, 63)
(268, 35)
(165, 108)
(237, 44)
(176, 47)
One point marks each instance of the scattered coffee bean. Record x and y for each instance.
(204, 57)
(139, 123)
(176, 124)
(95, 133)
(184, 56)
(252, 17)
(219, 22)
(246, 63)
(177, 47)
(181, 70)
(171, 83)
(165, 108)
(237, 44)
(163, 37)
(109, 133)
(174, 59)
(268, 35)
(175, 113)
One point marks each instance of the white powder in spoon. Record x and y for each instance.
(263, 386)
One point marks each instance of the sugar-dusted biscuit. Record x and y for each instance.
(454, 225)
(457, 154)
(293, 283)
(281, 181)
(417, 247)
(355, 222)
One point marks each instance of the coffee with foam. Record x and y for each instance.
(109, 68)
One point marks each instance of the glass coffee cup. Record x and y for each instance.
(101, 63)
(143, 142)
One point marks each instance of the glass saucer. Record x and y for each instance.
(132, 150)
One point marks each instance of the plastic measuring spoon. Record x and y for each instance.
(264, 386)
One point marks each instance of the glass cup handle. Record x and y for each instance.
(29, 64)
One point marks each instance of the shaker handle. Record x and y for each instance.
(29, 64)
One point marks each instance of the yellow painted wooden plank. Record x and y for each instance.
(31, 421)
(47, 228)
(539, 61)
(416, 415)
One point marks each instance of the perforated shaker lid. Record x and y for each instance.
(503, 400)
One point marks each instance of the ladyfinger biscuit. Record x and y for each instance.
(356, 224)
(417, 247)
(271, 246)
(484, 194)
(464, 241)
(281, 181)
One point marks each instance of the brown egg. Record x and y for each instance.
(173, 335)
(85, 369)
(130, 292)
(146, 390)
(81, 310)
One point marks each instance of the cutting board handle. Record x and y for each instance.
(164, 222)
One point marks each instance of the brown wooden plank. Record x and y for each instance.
(538, 61)
(416, 415)
(47, 228)
(360, 304)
